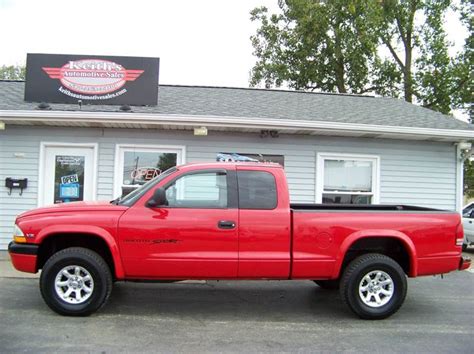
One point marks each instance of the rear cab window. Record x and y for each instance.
(257, 190)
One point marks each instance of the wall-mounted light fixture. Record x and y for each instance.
(44, 106)
(202, 131)
(269, 133)
(125, 108)
(464, 150)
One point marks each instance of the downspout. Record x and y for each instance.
(463, 152)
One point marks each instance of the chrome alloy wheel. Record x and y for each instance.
(376, 288)
(74, 284)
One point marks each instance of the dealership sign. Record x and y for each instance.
(94, 79)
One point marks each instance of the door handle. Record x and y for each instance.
(226, 224)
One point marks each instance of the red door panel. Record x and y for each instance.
(264, 235)
(178, 243)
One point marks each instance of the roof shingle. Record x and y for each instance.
(262, 103)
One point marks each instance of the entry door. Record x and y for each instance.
(68, 174)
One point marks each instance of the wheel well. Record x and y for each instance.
(58, 242)
(389, 246)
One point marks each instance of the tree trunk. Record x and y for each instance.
(339, 65)
(407, 40)
(407, 76)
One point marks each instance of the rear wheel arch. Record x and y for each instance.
(55, 242)
(398, 248)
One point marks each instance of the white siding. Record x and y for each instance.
(419, 173)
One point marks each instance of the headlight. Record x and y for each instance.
(18, 235)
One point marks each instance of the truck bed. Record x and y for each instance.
(357, 207)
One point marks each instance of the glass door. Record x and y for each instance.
(68, 174)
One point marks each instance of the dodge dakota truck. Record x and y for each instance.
(232, 221)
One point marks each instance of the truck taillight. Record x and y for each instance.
(459, 235)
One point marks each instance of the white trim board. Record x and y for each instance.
(66, 117)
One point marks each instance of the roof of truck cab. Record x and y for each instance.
(229, 164)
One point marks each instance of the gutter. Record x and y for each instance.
(230, 122)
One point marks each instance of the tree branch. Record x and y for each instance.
(394, 54)
(402, 34)
(436, 101)
(371, 88)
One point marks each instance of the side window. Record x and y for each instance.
(467, 211)
(257, 190)
(199, 190)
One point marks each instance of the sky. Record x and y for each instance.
(203, 42)
(199, 42)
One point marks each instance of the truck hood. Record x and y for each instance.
(74, 207)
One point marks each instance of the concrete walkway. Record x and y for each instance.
(7, 270)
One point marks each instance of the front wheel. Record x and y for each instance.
(76, 282)
(374, 286)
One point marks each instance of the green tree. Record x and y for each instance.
(335, 46)
(464, 69)
(414, 34)
(315, 45)
(12, 72)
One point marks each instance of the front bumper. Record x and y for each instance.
(464, 263)
(23, 256)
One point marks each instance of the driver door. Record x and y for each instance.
(194, 236)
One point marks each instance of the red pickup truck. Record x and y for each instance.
(232, 221)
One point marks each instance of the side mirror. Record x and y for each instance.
(158, 198)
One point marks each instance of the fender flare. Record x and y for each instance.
(87, 229)
(358, 235)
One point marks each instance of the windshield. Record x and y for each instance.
(132, 197)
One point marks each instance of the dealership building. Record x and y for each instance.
(335, 148)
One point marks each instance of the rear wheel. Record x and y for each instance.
(374, 286)
(76, 282)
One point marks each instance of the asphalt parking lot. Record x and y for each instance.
(276, 316)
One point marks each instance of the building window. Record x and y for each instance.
(347, 179)
(137, 164)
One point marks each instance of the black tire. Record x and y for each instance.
(369, 264)
(89, 261)
(464, 247)
(332, 284)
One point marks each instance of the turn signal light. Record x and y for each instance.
(18, 235)
(19, 239)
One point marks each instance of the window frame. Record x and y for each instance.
(120, 150)
(375, 159)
